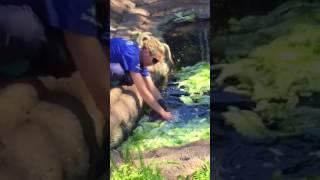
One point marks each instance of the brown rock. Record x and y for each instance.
(139, 11)
(134, 20)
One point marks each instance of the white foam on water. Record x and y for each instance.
(176, 116)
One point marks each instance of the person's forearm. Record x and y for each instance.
(151, 101)
(152, 88)
(145, 93)
(156, 93)
(91, 62)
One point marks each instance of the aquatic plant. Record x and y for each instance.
(276, 75)
(185, 17)
(196, 81)
(284, 68)
(245, 34)
(247, 123)
(152, 135)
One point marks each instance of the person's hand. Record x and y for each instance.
(167, 115)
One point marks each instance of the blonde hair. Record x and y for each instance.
(157, 48)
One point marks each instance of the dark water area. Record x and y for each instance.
(236, 157)
(189, 43)
(183, 113)
(224, 99)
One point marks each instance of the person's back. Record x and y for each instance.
(125, 58)
(119, 47)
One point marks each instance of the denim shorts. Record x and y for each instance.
(26, 45)
(21, 33)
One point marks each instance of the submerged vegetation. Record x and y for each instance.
(196, 81)
(277, 74)
(152, 135)
(267, 69)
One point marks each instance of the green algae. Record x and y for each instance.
(196, 81)
(247, 33)
(153, 135)
(277, 73)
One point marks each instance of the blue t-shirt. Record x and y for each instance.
(77, 16)
(127, 53)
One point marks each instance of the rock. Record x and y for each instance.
(133, 20)
(153, 12)
(139, 11)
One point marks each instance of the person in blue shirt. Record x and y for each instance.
(24, 29)
(128, 65)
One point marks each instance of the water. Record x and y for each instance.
(182, 113)
(236, 157)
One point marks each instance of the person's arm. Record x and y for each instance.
(91, 61)
(152, 88)
(147, 96)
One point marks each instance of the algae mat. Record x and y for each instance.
(278, 71)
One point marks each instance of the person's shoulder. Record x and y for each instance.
(127, 43)
(122, 39)
(116, 39)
